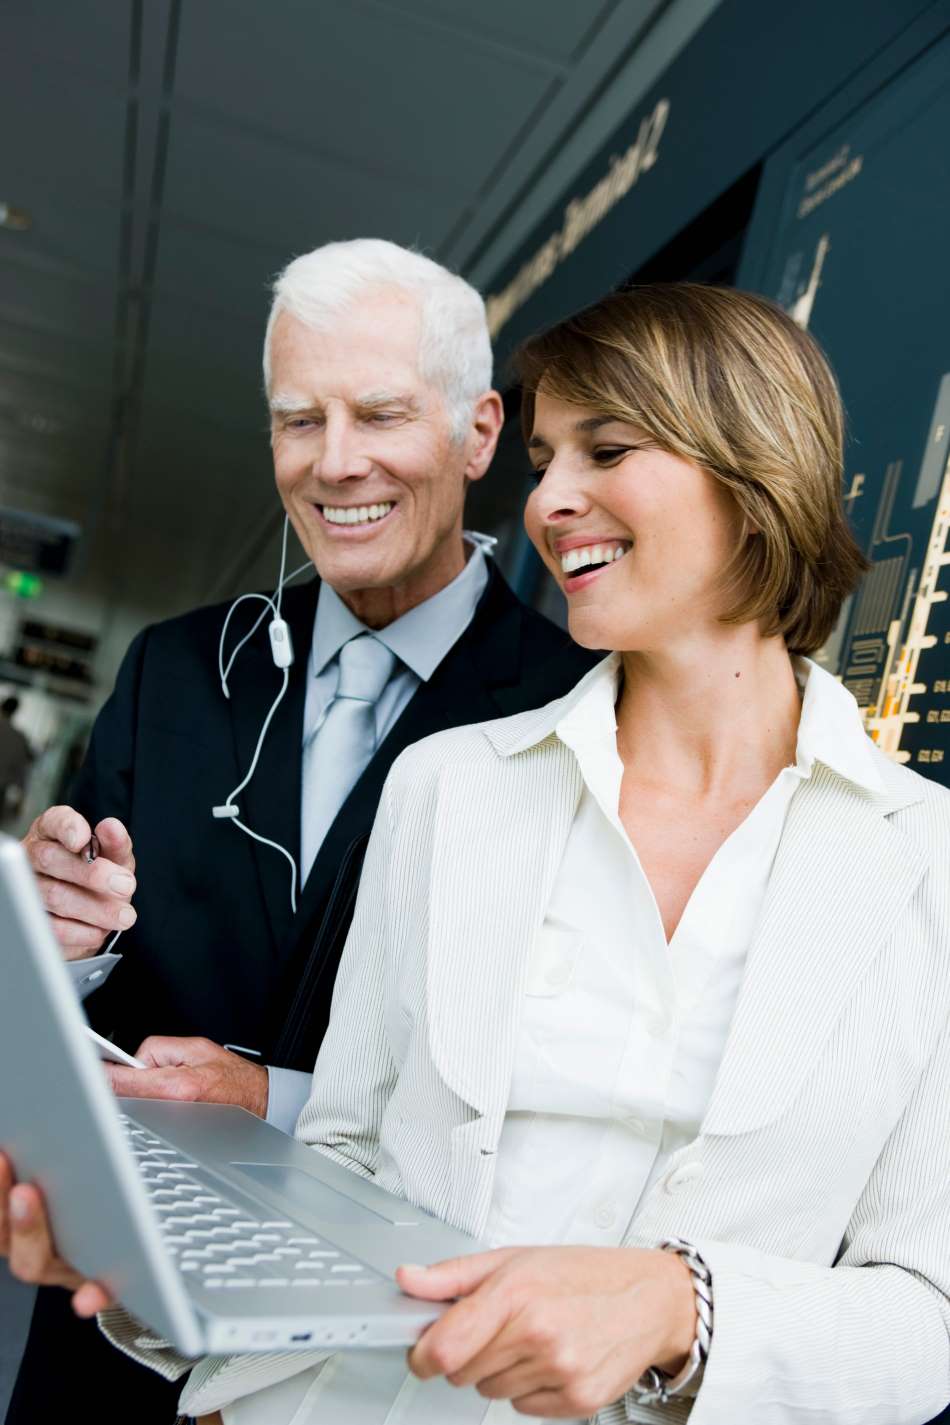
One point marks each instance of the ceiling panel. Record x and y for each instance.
(41, 354)
(55, 39)
(343, 88)
(537, 28)
(53, 121)
(278, 194)
(71, 232)
(52, 301)
(231, 275)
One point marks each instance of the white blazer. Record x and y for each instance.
(818, 1189)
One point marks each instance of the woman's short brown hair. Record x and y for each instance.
(727, 380)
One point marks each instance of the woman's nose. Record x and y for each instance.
(559, 496)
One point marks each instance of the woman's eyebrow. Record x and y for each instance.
(595, 422)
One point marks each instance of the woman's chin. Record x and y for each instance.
(590, 631)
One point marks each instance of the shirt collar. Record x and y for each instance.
(421, 638)
(830, 728)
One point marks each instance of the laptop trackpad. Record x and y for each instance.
(314, 1198)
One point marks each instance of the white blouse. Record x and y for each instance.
(622, 1034)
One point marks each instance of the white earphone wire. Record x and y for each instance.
(229, 810)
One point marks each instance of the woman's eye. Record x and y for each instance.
(536, 473)
(606, 454)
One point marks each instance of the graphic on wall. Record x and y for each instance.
(860, 260)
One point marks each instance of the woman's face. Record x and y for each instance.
(637, 538)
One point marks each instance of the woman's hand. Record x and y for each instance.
(26, 1240)
(559, 1331)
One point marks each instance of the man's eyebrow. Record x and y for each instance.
(373, 399)
(282, 405)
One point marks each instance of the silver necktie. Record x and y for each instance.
(340, 749)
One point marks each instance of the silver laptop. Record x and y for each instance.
(216, 1230)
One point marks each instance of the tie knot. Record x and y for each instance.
(365, 668)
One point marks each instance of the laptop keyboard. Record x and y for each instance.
(218, 1242)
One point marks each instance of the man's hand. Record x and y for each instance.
(559, 1331)
(192, 1071)
(26, 1239)
(86, 900)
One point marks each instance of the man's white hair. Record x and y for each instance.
(454, 346)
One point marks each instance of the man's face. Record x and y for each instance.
(364, 457)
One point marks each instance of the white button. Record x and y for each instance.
(682, 1176)
(657, 1022)
(605, 1215)
(559, 974)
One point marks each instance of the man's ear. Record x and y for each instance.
(488, 418)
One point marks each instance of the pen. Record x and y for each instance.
(92, 850)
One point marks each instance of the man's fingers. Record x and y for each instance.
(62, 824)
(71, 902)
(76, 940)
(102, 877)
(164, 1051)
(115, 842)
(180, 1085)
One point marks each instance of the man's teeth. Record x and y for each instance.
(576, 559)
(355, 514)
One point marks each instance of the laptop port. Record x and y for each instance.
(302, 1336)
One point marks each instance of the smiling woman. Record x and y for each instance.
(723, 381)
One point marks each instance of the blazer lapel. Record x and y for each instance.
(489, 892)
(842, 876)
(271, 802)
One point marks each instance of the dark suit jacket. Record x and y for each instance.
(216, 949)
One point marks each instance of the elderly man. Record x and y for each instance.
(378, 371)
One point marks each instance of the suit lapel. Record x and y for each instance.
(841, 879)
(460, 690)
(271, 802)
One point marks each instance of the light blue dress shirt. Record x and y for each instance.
(420, 639)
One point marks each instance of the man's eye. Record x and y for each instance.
(537, 473)
(299, 423)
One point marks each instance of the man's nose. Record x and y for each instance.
(341, 457)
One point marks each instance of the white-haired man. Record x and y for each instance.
(377, 366)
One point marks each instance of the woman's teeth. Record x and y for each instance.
(355, 514)
(575, 559)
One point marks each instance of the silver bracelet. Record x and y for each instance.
(655, 1387)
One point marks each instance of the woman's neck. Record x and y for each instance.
(715, 717)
